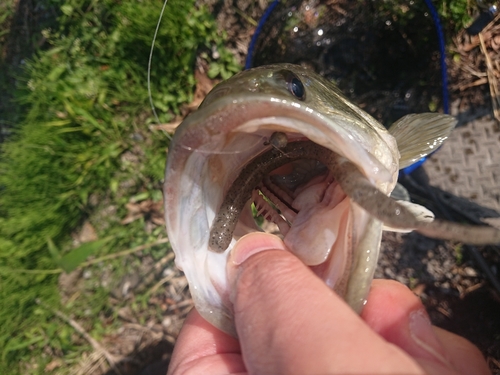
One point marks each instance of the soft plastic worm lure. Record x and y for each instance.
(353, 183)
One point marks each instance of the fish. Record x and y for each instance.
(284, 142)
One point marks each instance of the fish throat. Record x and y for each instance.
(272, 199)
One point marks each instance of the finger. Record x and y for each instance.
(464, 356)
(399, 316)
(289, 321)
(394, 312)
(203, 349)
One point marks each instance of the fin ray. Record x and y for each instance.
(417, 135)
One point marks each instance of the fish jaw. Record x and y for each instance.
(215, 143)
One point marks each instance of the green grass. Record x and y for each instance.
(86, 107)
(454, 14)
(6, 13)
(457, 14)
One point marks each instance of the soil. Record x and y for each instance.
(388, 70)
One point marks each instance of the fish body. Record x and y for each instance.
(322, 220)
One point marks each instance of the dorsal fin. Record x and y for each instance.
(417, 135)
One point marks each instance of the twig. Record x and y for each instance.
(495, 362)
(34, 272)
(167, 258)
(471, 289)
(245, 16)
(444, 312)
(85, 264)
(169, 128)
(94, 362)
(160, 283)
(494, 92)
(478, 82)
(472, 71)
(187, 302)
(77, 327)
(124, 252)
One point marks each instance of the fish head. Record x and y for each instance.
(233, 125)
(261, 101)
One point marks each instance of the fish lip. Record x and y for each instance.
(246, 112)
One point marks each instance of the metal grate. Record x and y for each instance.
(468, 164)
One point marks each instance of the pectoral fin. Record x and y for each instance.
(417, 135)
(400, 193)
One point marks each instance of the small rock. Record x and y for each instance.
(167, 321)
(87, 233)
(402, 279)
(469, 271)
(167, 272)
(87, 274)
(389, 273)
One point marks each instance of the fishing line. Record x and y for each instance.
(258, 139)
(149, 65)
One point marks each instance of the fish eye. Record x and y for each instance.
(294, 85)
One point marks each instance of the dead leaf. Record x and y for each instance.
(52, 365)
(148, 209)
(87, 233)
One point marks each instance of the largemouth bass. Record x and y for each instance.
(285, 140)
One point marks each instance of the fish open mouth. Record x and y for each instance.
(233, 160)
(304, 188)
(298, 187)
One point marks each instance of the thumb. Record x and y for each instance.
(289, 321)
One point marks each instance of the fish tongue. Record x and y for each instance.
(316, 227)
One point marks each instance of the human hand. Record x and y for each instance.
(289, 322)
